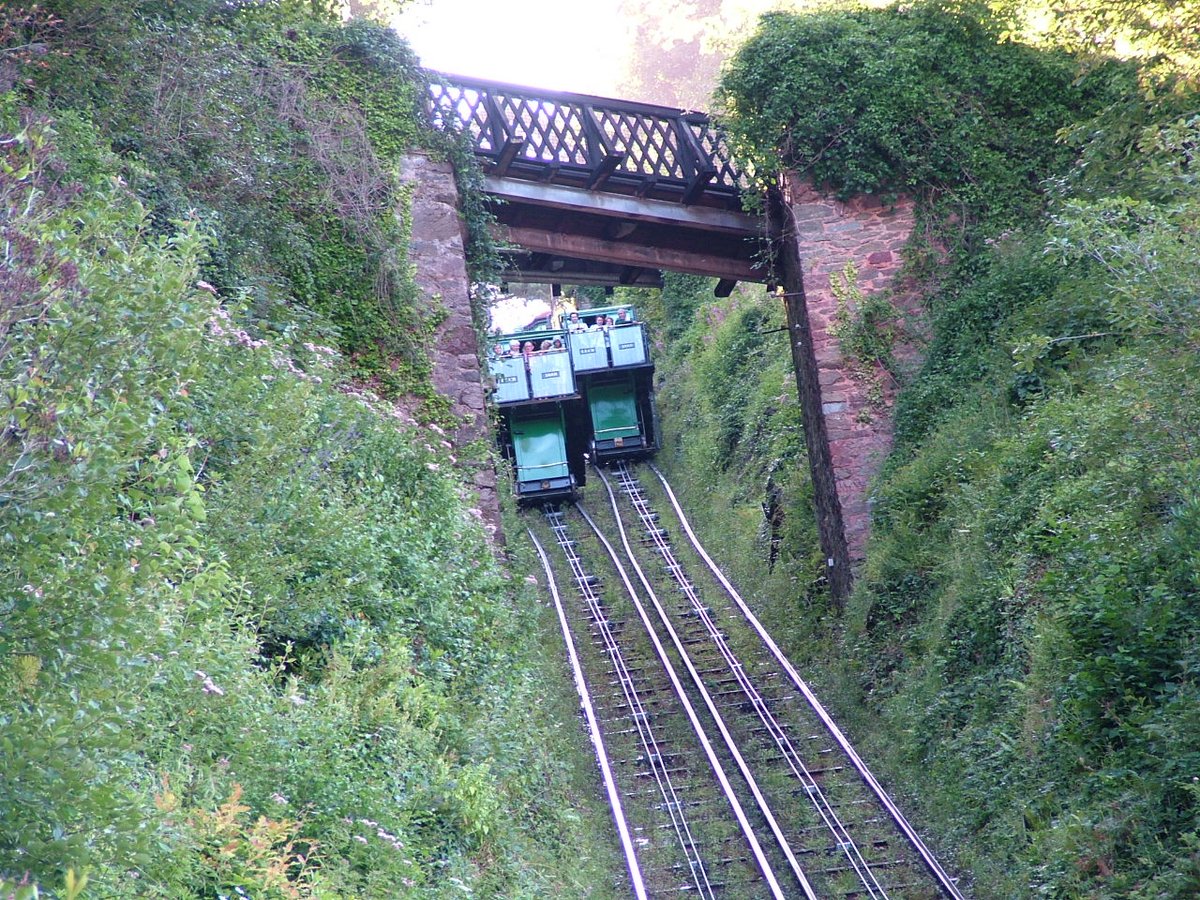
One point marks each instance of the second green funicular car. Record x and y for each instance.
(540, 455)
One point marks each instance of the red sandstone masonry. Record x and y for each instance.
(436, 251)
(870, 234)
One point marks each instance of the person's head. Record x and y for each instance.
(558, 344)
(500, 350)
(574, 316)
(514, 346)
(528, 347)
(546, 345)
(622, 315)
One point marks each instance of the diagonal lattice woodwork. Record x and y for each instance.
(621, 147)
(591, 190)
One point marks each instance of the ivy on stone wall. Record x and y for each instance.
(1021, 640)
(917, 98)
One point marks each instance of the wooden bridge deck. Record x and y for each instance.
(604, 191)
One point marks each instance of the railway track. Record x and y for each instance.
(688, 827)
(720, 745)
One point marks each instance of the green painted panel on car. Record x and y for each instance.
(540, 448)
(614, 410)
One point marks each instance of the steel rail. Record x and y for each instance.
(718, 770)
(730, 743)
(638, 713)
(843, 840)
(585, 702)
(927, 857)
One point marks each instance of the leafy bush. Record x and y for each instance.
(282, 131)
(1025, 598)
(1020, 645)
(921, 98)
(733, 446)
(254, 644)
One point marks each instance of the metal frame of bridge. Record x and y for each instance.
(601, 191)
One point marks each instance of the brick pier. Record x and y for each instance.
(436, 251)
(870, 234)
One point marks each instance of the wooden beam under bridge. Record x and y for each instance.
(612, 190)
(617, 206)
(635, 253)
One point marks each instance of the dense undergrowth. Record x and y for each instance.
(253, 642)
(1020, 651)
(279, 129)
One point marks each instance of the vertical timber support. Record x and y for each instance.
(808, 387)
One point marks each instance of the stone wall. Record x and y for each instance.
(436, 251)
(856, 404)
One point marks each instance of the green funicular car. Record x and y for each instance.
(617, 429)
(540, 455)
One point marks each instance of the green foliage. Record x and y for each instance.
(281, 130)
(1028, 584)
(1161, 34)
(968, 322)
(1027, 606)
(1143, 255)
(682, 297)
(864, 326)
(919, 98)
(254, 644)
(1020, 646)
(73, 887)
(733, 445)
(866, 329)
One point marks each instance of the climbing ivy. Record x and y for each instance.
(921, 98)
(865, 327)
(290, 161)
(1020, 645)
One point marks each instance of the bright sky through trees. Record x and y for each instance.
(588, 45)
(558, 44)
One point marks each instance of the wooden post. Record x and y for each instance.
(808, 387)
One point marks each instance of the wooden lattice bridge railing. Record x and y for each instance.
(603, 191)
(596, 143)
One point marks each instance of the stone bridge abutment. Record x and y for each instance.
(855, 395)
(437, 253)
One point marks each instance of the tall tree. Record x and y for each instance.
(1163, 33)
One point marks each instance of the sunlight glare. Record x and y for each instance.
(564, 46)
